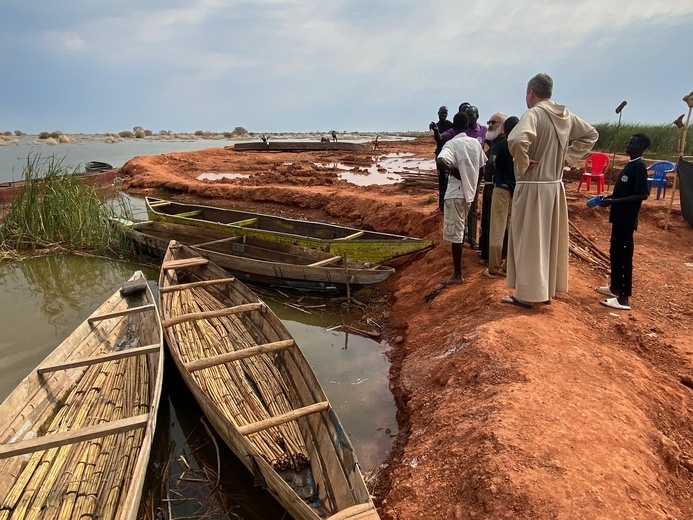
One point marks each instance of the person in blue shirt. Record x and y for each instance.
(625, 201)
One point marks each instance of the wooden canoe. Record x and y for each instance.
(367, 246)
(76, 433)
(300, 146)
(260, 261)
(258, 391)
(96, 179)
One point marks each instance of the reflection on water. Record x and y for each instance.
(44, 298)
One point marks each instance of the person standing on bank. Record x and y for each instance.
(501, 202)
(442, 126)
(494, 135)
(547, 138)
(474, 129)
(463, 157)
(625, 201)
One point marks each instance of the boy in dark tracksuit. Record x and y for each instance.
(625, 201)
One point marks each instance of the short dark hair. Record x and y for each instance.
(460, 121)
(642, 140)
(509, 124)
(542, 85)
(463, 106)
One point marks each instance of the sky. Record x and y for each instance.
(89, 66)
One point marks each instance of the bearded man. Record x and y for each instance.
(494, 134)
(547, 138)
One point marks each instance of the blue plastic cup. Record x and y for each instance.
(595, 201)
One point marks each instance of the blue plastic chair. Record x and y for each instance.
(660, 168)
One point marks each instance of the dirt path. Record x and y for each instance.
(571, 410)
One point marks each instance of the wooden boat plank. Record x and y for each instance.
(73, 436)
(220, 241)
(358, 234)
(124, 312)
(326, 261)
(353, 512)
(221, 359)
(284, 418)
(212, 314)
(83, 362)
(188, 262)
(192, 285)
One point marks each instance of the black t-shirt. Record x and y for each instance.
(504, 173)
(632, 180)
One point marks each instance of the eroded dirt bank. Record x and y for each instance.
(571, 410)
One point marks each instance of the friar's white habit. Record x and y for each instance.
(538, 239)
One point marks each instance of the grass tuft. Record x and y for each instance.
(55, 212)
(664, 137)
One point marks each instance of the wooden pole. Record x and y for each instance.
(682, 148)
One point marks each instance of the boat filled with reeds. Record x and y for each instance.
(258, 390)
(357, 244)
(76, 433)
(261, 261)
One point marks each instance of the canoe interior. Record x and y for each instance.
(332, 481)
(110, 467)
(368, 246)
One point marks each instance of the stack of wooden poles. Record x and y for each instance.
(248, 390)
(86, 479)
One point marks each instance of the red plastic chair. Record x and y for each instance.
(595, 168)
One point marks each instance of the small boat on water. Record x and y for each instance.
(258, 391)
(261, 261)
(97, 166)
(76, 433)
(95, 178)
(367, 246)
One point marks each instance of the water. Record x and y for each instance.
(44, 298)
(13, 157)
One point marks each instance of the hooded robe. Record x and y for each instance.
(538, 237)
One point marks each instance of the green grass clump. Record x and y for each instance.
(55, 212)
(664, 137)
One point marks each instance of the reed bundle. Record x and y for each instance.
(246, 391)
(86, 479)
(582, 247)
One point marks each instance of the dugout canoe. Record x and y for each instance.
(94, 178)
(260, 261)
(367, 246)
(76, 433)
(300, 146)
(258, 391)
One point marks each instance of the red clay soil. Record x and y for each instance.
(570, 410)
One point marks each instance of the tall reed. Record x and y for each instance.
(54, 211)
(664, 137)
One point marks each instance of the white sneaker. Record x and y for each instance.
(605, 290)
(614, 304)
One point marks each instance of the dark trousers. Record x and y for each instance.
(486, 198)
(472, 219)
(442, 187)
(621, 253)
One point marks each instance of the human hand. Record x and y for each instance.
(606, 202)
(432, 126)
(532, 164)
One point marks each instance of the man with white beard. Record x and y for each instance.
(494, 134)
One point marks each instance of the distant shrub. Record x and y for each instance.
(139, 134)
(199, 132)
(19, 133)
(7, 133)
(126, 134)
(136, 129)
(44, 135)
(55, 134)
(239, 130)
(148, 133)
(164, 132)
(228, 135)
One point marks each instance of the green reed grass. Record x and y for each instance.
(54, 211)
(664, 137)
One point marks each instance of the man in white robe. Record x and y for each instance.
(547, 138)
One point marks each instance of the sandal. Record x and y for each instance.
(517, 303)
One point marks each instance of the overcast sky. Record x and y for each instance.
(363, 65)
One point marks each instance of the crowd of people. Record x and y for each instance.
(517, 165)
